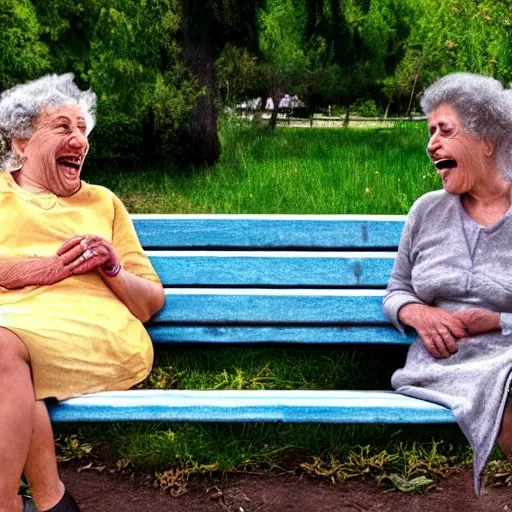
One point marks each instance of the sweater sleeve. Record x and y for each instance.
(399, 291)
(506, 323)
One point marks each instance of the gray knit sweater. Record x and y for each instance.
(446, 259)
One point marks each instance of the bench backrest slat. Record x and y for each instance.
(320, 232)
(332, 270)
(234, 306)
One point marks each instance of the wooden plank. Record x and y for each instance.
(222, 268)
(269, 231)
(267, 306)
(250, 406)
(164, 334)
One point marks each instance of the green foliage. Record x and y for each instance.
(135, 46)
(329, 52)
(350, 171)
(236, 72)
(22, 54)
(367, 108)
(128, 52)
(456, 35)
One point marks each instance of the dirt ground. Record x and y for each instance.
(98, 492)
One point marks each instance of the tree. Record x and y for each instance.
(128, 52)
(207, 25)
(22, 54)
(456, 35)
(283, 63)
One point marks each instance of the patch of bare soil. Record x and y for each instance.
(98, 492)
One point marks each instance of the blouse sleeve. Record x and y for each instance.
(399, 291)
(127, 245)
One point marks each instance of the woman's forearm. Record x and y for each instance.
(141, 296)
(21, 272)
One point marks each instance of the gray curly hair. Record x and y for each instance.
(21, 105)
(484, 108)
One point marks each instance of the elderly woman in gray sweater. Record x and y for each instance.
(452, 278)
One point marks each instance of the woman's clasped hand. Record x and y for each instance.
(81, 254)
(441, 330)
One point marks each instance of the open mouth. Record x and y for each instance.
(445, 163)
(71, 162)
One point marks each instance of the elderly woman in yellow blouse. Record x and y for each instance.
(75, 285)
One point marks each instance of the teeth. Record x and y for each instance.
(73, 160)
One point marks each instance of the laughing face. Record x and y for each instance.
(461, 159)
(54, 155)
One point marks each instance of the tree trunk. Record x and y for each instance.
(347, 116)
(387, 108)
(276, 98)
(148, 138)
(201, 140)
(414, 88)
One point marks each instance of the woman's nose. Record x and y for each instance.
(433, 143)
(78, 140)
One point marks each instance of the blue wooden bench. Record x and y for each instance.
(266, 279)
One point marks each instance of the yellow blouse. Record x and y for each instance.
(80, 336)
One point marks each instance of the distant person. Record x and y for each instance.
(75, 285)
(285, 102)
(452, 278)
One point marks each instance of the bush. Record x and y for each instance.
(367, 108)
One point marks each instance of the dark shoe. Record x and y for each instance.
(28, 504)
(66, 504)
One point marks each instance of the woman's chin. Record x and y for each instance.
(69, 188)
(452, 188)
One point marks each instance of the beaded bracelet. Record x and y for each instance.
(111, 270)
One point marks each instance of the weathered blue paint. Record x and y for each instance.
(278, 334)
(265, 232)
(231, 269)
(270, 307)
(251, 406)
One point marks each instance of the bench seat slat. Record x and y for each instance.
(278, 334)
(232, 306)
(287, 269)
(251, 406)
(269, 231)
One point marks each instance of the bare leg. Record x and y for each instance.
(16, 416)
(41, 465)
(505, 436)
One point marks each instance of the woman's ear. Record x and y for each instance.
(488, 147)
(19, 146)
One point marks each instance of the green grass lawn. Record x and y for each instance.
(318, 171)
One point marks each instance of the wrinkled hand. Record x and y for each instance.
(84, 253)
(438, 329)
(478, 321)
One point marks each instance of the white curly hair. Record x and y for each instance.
(484, 107)
(21, 105)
